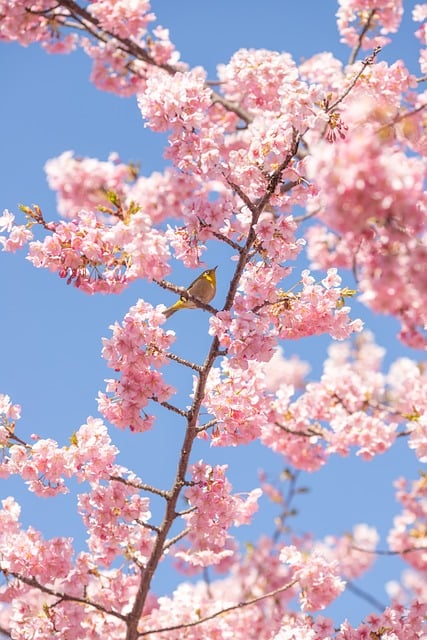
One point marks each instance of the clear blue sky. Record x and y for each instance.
(51, 333)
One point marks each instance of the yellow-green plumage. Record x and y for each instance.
(203, 288)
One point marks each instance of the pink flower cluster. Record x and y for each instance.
(318, 578)
(83, 183)
(354, 552)
(44, 465)
(354, 405)
(264, 313)
(136, 349)
(123, 17)
(238, 400)
(213, 510)
(394, 623)
(39, 570)
(409, 535)
(114, 514)
(374, 201)
(95, 256)
(17, 235)
(347, 145)
(383, 16)
(26, 22)
(419, 14)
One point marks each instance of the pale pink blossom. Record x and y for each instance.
(317, 577)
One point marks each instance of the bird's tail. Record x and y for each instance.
(171, 310)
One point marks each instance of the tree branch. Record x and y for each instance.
(362, 34)
(221, 612)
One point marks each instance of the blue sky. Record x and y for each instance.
(51, 333)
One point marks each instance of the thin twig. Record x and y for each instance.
(365, 63)
(389, 552)
(171, 541)
(401, 117)
(365, 596)
(232, 106)
(183, 293)
(221, 612)
(305, 434)
(147, 525)
(172, 407)
(32, 582)
(366, 27)
(207, 425)
(141, 486)
(185, 363)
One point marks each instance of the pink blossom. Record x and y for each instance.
(384, 16)
(419, 12)
(318, 579)
(216, 511)
(178, 101)
(123, 17)
(354, 552)
(408, 535)
(135, 349)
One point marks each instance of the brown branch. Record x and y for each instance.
(220, 236)
(169, 543)
(185, 363)
(242, 195)
(365, 596)
(366, 27)
(5, 632)
(307, 216)
(183, 293)
(256, 210)
(32, 582)
(389, 552)
(130, 47)
(171, 407)
(207, 425)
(365, 63)
(141, 486)
(287, 502)
(305, 434)
(231, 106)
(170, 514)
(221, 612)
(401, 117)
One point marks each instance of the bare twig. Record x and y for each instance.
(389, 552)
(171, 541)
(362, 34)
(365, 596)
(141, 486)
(185, 363)
(171, 407)
(365, 63)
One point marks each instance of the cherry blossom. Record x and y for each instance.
(307, 179)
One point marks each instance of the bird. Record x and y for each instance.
(203, 288)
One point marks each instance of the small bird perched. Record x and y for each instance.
(203, 288)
